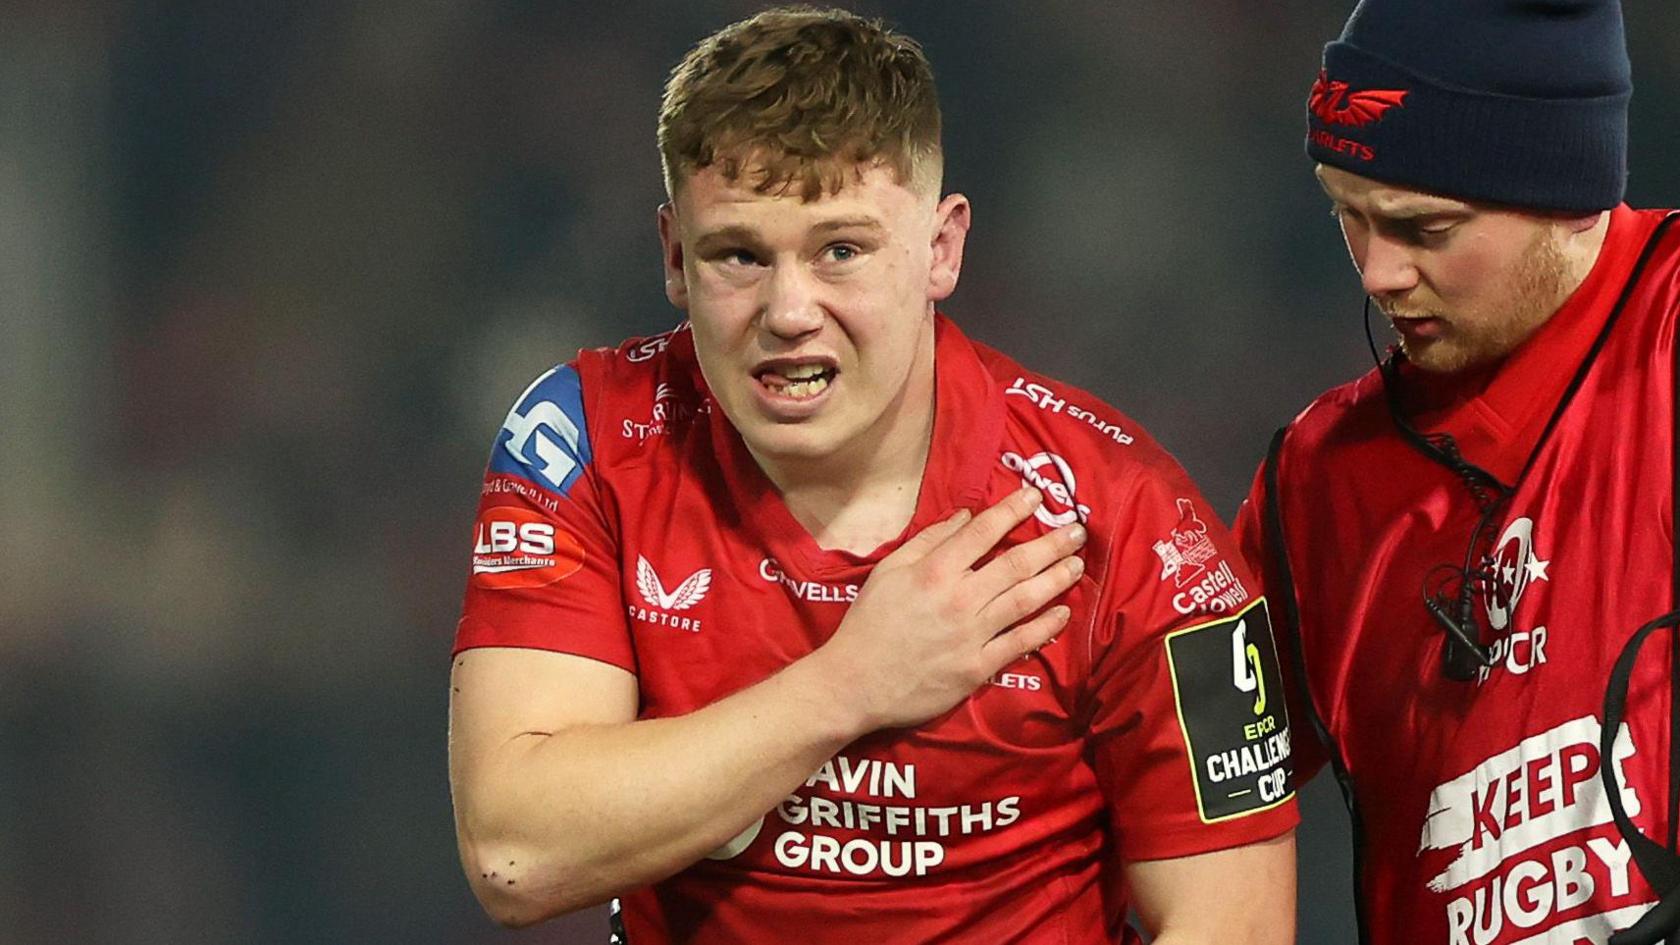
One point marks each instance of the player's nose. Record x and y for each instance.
(791, 306)
(1386, 267)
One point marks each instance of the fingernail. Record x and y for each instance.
(1034, 497)
(1077, 565)
(1063, 612)
(962, 515)
(1077, 534)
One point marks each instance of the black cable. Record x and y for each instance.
(1290, 615)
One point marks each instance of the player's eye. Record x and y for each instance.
(1428, 231)
(738, 257)
(841, 252)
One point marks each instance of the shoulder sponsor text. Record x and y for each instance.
(1045, 399)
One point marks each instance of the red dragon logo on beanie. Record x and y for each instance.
(1335, 105)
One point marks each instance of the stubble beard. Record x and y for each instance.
(1534, 291)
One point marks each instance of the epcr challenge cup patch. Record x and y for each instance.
(1231, 710)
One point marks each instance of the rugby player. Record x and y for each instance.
(814, 620)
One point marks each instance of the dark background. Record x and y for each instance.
(271, 273)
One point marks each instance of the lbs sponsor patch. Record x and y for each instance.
(1231, 709)
(520, 548)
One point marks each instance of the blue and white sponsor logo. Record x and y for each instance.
(544, 438)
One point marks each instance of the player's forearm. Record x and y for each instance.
(1275, 926)
(1243, 894)
(554, 822)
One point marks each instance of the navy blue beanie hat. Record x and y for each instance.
(1516, 102)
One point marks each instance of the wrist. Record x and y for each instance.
(830, 698)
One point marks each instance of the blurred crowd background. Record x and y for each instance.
(271, 273)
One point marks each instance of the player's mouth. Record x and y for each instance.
(795, 385)
(1419, 327)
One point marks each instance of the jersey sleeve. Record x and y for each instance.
(545, 567)
(1254, 541)
(1189, 729)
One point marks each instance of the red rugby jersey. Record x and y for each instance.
(624, 520)
(1480, 814)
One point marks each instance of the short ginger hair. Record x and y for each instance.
(800, 98)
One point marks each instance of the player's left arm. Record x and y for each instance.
(1190, 738)
(1244, 894)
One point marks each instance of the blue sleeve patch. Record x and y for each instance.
(544, 438)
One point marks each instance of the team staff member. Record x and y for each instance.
(735, 649)
(1471, 532)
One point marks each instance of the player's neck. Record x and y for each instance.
(865, 494)
(859, 518)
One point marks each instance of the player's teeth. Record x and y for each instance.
(803, 371)
(809, 388)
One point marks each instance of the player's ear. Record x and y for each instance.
(1578, 225)
(951, 219)
(671, 251)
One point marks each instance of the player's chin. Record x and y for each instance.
(804, 441)
(1448, 355)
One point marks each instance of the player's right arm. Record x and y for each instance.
(563, 798)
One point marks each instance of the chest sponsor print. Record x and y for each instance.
(1534, 854)
(1050, 474)
(815, 591)
(868, 817)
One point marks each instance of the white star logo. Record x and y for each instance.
(1537, 569)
